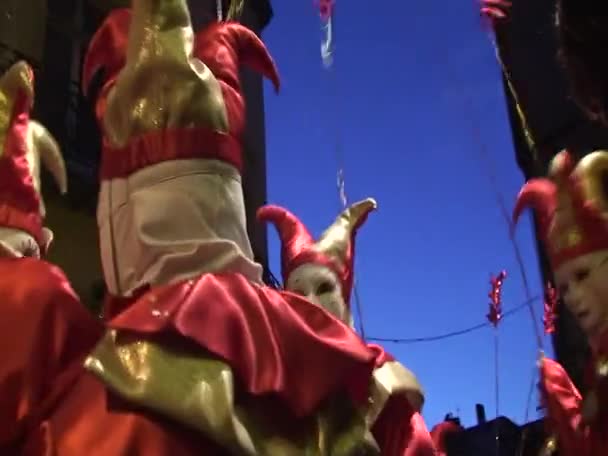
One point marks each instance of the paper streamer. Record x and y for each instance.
(326, 11)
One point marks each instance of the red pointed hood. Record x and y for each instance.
(225, 47)
(334, 249)
(295, 237)
(107, 49)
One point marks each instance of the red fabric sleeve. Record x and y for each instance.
(563, 403)
(401, 432)
(44, 329)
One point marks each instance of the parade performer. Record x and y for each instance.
(323, 272)
(572, 208)
(443, 432)
(201, 358)
(45, 332)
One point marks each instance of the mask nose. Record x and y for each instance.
(574, 298)
(312, 298)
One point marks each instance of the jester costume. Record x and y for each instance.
(323, 270)
(571, 206)
(198, 356)
(45, 332)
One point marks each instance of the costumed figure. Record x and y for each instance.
(198, 357)
(443, 432)
(45, 332)
(323, 272)
(572, 208)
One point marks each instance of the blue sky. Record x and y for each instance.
(411, 83)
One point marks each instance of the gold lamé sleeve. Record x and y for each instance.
(198, 392)
(389, 380)
(161, 85)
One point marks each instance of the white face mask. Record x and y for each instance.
(583, 285)
(321, 286)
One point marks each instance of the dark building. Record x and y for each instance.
(53, 36)
(497, 437)
(529, 50)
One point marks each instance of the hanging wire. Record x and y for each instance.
(451, 334)
(524, 435)
(530, 393)
(493, 180)
(327, 46)
(520, 112)
(500, 199)
(341, 186)
(496, 371)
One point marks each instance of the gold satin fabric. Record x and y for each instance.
(550, 447)
(17, 78)
(199, 393)
(162, 85)
(392, 379)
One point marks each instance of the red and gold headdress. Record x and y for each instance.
(571, 206)
(151, 41)
(334, 249)
(23, 142)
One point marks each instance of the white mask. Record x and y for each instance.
(583, 285)
(321, 286)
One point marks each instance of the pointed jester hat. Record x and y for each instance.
(571, 206)
(131, 40)
(335, 249)
(23, 143)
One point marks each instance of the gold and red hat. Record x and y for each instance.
(23, 143)
(571, 206)
(335, 249)
(207, 127)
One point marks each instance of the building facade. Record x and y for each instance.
(529, 50)
(53, 36)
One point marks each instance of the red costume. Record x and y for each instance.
(397, 398)
(442, 432)
(45, 332)
(198, 356)
(571, 209)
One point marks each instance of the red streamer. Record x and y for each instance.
(326, 9)
(495, 313)
(495, 10)
(550, 314)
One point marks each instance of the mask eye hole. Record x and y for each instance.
(581, 275)
(325, 287)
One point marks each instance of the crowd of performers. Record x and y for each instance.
(195, 355)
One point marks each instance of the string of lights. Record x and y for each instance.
(451, 334)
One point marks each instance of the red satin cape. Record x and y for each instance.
(276, 342)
